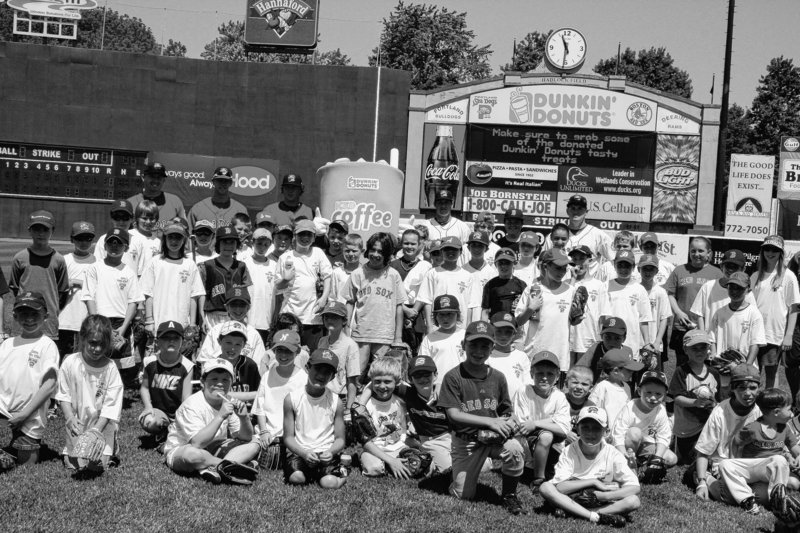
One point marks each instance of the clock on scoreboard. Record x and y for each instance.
(69, 172)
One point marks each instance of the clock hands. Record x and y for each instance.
(566, 50)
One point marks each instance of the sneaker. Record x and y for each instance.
(536, 483)
(513, 505)
(52, 413)
(558, 512)
(750, 506)
(211, 475)
(612, 520)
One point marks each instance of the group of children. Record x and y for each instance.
(453, 355)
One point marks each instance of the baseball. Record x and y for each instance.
(703, 392)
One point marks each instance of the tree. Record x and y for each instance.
(776, 107)
(434, 44)
(528, 53)
(174, 48)
(652, 68)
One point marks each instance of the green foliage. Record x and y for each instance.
(229, 46)
(174, 48)
(528, 53)
(652, 68)
(434, 44)
(776, 107)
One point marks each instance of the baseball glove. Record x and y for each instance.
(7, 461)
(649, 358)
(191, 342)
(723, 362)
(490, 438)
(236, 473)
(785, 507)
(89, 447)
(117, 341)
(416, 461)
(578, 307)
(587, 499)
(653, 471)
(364, 428)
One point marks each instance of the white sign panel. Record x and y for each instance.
(749, 196)
(450, 113)
(674, 122)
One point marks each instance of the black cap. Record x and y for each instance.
(169, 326)
(223, 173)
(120, 234)
(156, 169)
(292, 180)
(577, 199)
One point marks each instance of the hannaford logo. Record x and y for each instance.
(281, 14)
(252, 181)
(749, 207)
(363, 184)
(676, 176)
(64, 9)
(639, 113)
(361, 216)
(791, 144)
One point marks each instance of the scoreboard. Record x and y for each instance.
(69, 172)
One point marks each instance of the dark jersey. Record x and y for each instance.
(246, 377)
(429, 420)
(166, 383)
(503, 242)
(477, 396)
(217, 280)
(502, 294)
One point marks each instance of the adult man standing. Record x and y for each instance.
(290, 208)
(169, 205)
(581, 233)
(220, 207)
(443, 224)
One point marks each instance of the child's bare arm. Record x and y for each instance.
(338, 431)
(502, 426)
(144, 393)
(572, 486)
(752, 354)
(71, 422)
(398, 324)
(129, 314)
(187, 387)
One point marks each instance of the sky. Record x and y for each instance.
(692, 31)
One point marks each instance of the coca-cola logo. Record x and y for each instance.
(676, 176)
(448, 173)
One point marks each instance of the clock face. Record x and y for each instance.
(565, 49)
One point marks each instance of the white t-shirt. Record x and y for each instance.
(346, 350)
(515, 366)
(659, 309)
(339, 277)
(191, 417)
(527, 273)
(610, 465)
(737, 330)
(92, 392)
(253, 347)
(71, 316)
(134, 257)
(375, 295)
(456, 282)
(23, 366)
(722, 426)
(630, 303)
(262, 291)
(479, 279)
(611, 397)
(391, 421)
(587, 332)
(271, 393)
(111, 288)
(301, 294)
(711, 298)
(446, 350)
(774, 305)
(551, 331)
(453, 228)
(414, 280)
(151, 246)
(655, 425)
(530, 406)
(313, 419)
(172, 283)
(596, 239)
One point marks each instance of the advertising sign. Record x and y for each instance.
(789, 175)
(189, 176)
(443, 166)
(450, 113)
(789, 221)
(749, 196)
(676, 179)
(281, 24)
(669, 121)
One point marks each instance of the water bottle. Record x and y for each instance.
(345, 464)
(441, 170)
(536, 290)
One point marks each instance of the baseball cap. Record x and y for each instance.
(340, 224)
(286, 338)
(617, 357)
(240, 294)
(529, 237)
(545, 357)
(451, 242)
(773, 240)
(480, 237)
(735, 257)
(175, 228)
(82, 228)
(170, 326)
(479, 330)
(207, 224)
(264, 217)
(582, 249)
(514, 213)
(120, 234)
(155, 169)
(217, 364)
(577, 199)
(45, 218)
(232, 327)
(223, 173)
(443, 194)
(322, 356)
(654, 376)
(445, 302)
(505, 253)
(422, 363)
(436, 246)
(283, 229)
(745, 372)
(613, 324)
(121, 206)
(226, 232)
(648, 260)
(740, 279)
(304, 225)
(335, 307)
(696, 336)
(31, 299)
(648, 237)
(260, 233)
(555, 255)
(598, 414)
(292, 180)
(624, 256)
(502, 318)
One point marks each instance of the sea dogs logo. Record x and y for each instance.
(639, 113)
(64, 9)
(485, 105)
(281, 14)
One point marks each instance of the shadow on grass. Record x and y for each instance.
(148, 442)
(440, 484)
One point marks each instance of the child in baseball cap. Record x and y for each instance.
(203, 241)
(444, 344)
(506, 358)
(74, 311)
(246, 377)
(345, 382)
(613, 392)
(613, 332)
(588, 466)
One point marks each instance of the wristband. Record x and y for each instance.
(263, 432)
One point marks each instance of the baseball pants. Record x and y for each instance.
(439, 447)
(469, 457)
(741, 475)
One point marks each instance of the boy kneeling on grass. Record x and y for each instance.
(210, 430)
(593, 480)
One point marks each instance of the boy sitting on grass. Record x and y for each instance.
(579, 385)
(313, 426)
(592, 479)
(210, 428)
(543, 414)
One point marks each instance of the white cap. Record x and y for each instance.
(216, 364)
(232, 327)
(598, 414)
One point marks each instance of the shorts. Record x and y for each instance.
(684, 449)
(440, 448)
(552, 456)
(769, 355)
(645, 451)
(469, 457)
(217, 448)
(293, 463)
(21, 441)
(371, 466)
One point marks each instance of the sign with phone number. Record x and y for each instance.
(540, 203)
